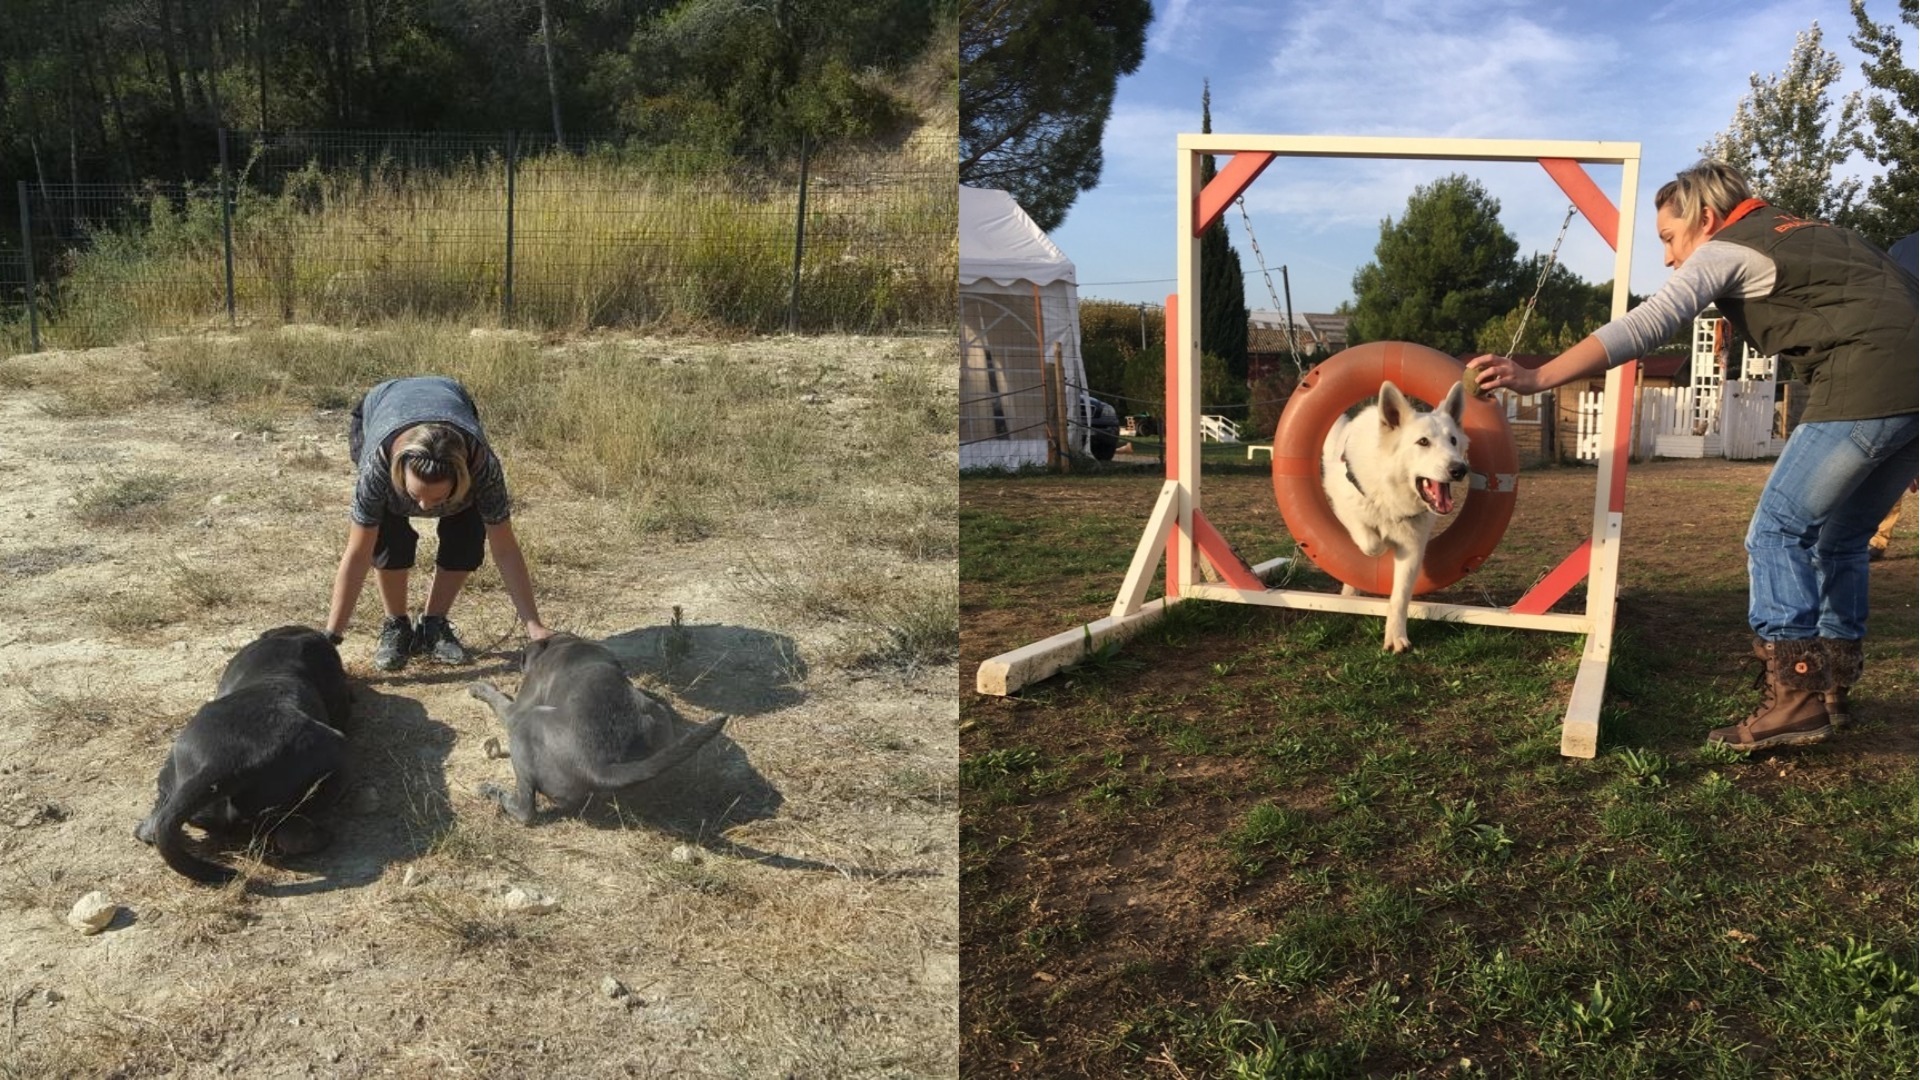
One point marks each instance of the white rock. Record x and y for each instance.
(92, 912)
(684, 853)
(528, 901)
(612, 988)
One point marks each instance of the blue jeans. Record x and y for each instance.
(1807, 545)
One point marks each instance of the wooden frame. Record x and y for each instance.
(1178, 530)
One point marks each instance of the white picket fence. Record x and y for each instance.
(1670, 425)
(1219, 429)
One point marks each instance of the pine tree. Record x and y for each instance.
(1441, 274)
(1223, 292)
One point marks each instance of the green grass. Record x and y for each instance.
(1357, 864)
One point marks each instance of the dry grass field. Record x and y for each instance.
(763, 528)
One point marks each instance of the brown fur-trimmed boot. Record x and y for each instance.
(1844, 662)
(1793, 704)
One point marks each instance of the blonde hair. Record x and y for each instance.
(434, 452)
(1709, 183)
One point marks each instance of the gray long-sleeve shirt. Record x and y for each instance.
(1714, 271)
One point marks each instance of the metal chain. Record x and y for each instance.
(1254, 242)
(1541, 285)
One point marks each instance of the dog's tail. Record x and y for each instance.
(162, 829)
(624, 773)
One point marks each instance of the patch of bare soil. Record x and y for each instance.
(784, 905)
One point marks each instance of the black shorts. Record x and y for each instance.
(463, 542)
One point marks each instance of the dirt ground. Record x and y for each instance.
(785, 906)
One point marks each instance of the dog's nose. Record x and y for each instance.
(1456, 471)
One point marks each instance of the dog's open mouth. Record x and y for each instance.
(1437, 494)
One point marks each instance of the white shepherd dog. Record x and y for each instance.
(1389, 473)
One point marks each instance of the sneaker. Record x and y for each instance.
(436, 639)
(396, 643)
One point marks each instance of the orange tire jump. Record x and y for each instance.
(1349, 378)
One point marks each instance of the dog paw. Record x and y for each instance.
(1397, 644)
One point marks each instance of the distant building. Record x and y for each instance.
(1268, 333)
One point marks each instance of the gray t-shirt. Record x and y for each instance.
(401, 403)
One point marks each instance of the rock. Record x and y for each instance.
(92, 912)
(412, 877)
(684, 853)
(613, 989)
(528, 901)
(492, 748)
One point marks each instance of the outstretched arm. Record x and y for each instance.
(1588, 357)
(347, 581)
(514, 575)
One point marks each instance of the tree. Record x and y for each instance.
(1036, 87)
(1781, 139)
(1567, 310)
(1891, 209)
(1223, 288)
(1441, 274)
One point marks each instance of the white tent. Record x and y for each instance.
(1018, 305)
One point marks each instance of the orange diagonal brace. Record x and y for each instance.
(1622, 438)
(1215, 548)
(1226, 185)
(1558, 581)
(1585, 194)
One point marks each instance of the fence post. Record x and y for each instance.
(799, 243)
(33, 288)
(513, 154)
(226, 222)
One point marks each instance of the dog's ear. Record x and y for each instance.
(1394, 409)
(1455, 403)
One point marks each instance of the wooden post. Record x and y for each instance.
(1064, 436)
(1052, 408)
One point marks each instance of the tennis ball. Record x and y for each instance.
(1470, 379)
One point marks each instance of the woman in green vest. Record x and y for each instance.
(1843, 314)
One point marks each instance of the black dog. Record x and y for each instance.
(268, 748)
(580, 728)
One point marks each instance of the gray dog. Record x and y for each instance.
(579, 728)
(265, 750)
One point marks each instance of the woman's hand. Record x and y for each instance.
(1501, 373)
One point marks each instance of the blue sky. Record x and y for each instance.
(1665, 75)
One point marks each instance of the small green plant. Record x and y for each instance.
(1597, 1017)
(1002, 762)
(1268, 832)
(1644, 767)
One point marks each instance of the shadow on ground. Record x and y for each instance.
(737, 670)
(395, 803)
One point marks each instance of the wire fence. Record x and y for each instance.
(503, 229)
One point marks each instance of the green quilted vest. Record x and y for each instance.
(1841, 312)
